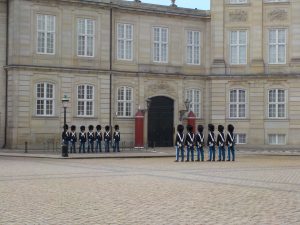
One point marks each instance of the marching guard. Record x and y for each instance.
(107, 138)
(98, 137)
(73, 139)
(221, 143)
(117, 138)
(65, 139)
(179, 143)
(82, 139)
(189, 141)
(211, 142)
(200, 143)
(230, 141)
(91, 138)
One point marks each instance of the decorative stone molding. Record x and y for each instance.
(278, 14)
(238, 15)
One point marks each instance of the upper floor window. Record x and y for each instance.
(45, 34)
(85, 37)
(237, 103)
(44, 99)
(277, 103)
(85, 100)
(277, 139)
(238, 47)
(277, 46)
(194, 96)
(160, 44)
(125, 41)
(237, 1)
(125, 101)
(193, 47)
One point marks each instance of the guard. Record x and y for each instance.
(73, 139)
(98, 137)
(211, 142)
(230, 141)
(107, 138)
(65, 141)
(91, 139)
(179, 143)
(117, 138)
(200, 143)
(189, 141)
(221, 143)
(82, 139)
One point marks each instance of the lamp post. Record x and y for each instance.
(65, 100)
(182, 112)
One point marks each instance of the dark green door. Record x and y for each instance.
(160, 122)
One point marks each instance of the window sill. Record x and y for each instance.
(124, 118)
(44, 117)
(237, 119)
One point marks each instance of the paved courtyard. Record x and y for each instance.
(253, 190)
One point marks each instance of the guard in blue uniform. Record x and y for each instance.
(107, 138)
(230, 141)
(189, 142)
(179, 143)
(82, 139)
(200, 143)
(211, 143)
(117, 138)
(65, 139)
(98, 138)
(221, 143)
(73, 139)
(91, 139)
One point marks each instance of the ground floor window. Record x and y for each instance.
(277, 139)
(240, 139)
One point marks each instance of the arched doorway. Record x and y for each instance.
(161, 122)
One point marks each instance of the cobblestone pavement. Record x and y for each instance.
(253, 190)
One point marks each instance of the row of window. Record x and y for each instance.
(86, 96)
(273, 139)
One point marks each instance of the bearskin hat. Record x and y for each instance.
(98, 127)
(107, 128)
(220, 128)
(200, 128)
(116, 127)
(180, 128)
(73, 127)
(211, 127)
(230, 128)
(189, 128)
(91, 127)
(66, 127)
(82, 128)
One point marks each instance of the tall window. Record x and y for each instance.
(44, 99)
(125, 41)
(193, 47)
(238, 47)
(237, 104)
(85, 100)
(160, 44)
(194, 96)
(237, 1)
(125, 101)
(45, 34)
(86, 37)
(277, 103)
(277, 139)
(277, 46)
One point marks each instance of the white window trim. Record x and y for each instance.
(192, 108)
(124, 39)
(85, 100)
(37, 36)
(193, 48)
(276, 137)
(238, 45)
(276, 103)
(238, 103)
(277, 44)
(160, 45)
(124, 102)
(238, 138)
(45, 99)
(85, 38)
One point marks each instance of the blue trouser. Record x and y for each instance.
(106, 146)
(190, 149)
(212, 153)
(98, 146)
(82, 146)
(200, 152)
(73, 147)
(221, 153)
(232, 151)
(90, 146)
(117, 146)
(180, 151)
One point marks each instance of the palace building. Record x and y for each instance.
(238, 63)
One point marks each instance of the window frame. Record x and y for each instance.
(124, 102)
(85, 100)
(46, 16)
(237, 1)
(237, 103)
(86, 35)
(45, 99)
(277, 139)
(125, 40)
(160, 43)
(193, 46)
(237, 138)
(276, 103)
(238, 45)
(277, 44)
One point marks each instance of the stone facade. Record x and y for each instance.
(215, 76)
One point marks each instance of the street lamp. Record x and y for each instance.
(148, 103)
(182, 112)
(65, 101)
